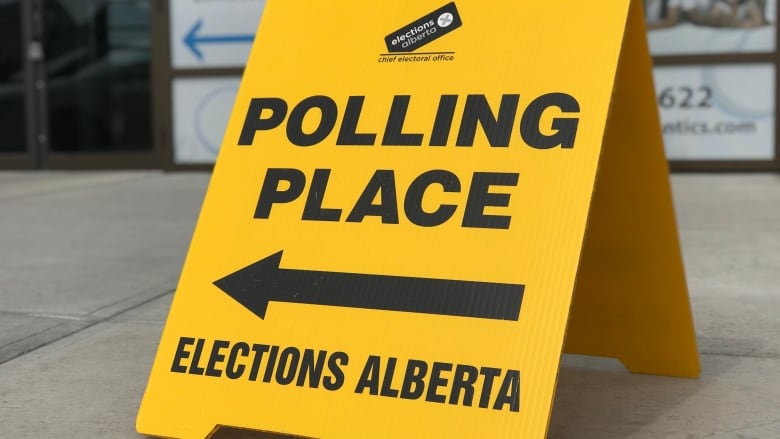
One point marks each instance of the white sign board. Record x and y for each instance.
(201, 110)
(213, 33)
(691, 27)
(717, 112)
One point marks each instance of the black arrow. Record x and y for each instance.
(263, 282)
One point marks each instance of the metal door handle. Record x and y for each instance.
(35, 51)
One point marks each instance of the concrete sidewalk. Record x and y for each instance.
(88, 262)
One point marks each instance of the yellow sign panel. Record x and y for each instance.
(397, 220)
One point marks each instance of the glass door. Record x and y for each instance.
(13, 94)
(78, 85)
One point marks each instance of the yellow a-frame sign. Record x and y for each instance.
(410, 199)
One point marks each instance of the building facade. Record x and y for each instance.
(110, 84)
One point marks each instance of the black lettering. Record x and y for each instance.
(347, 133)
(395, 124)
(442, 124)
(369, 378)
(254, 122)
(232, 370)
(259, 350)
(313, 210)
(387, 381)
(383, 181)
(181, 354)
(414, 195)
(437, 381)
(288, 360)
(329, 114)
(269, 367)
(479, 198)
(498, 130)
(216, 357)
(271, 193)
(335, 362)
(464, 379)
(311, 369)
(565, 128)
(510, 392)
(490, 373)
(194, 368)
(413, 385)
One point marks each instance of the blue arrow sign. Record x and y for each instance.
(192, 39)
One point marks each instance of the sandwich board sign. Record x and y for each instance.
(418, 206)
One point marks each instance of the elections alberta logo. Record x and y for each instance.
(403, 43)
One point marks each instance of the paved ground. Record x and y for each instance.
(88, 262)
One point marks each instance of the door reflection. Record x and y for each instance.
(98, 73)
(12, 119)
